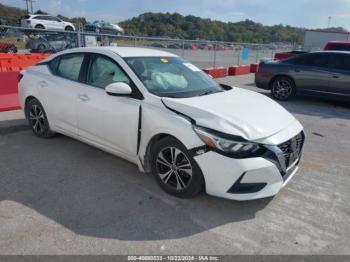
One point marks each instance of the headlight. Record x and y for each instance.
(231, 146)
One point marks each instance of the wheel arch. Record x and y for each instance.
(26, 101)
(150, 144)
(68, 26)
(39, 25)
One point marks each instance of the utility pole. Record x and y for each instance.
(27, 6)
(329, 22)
(29, 3)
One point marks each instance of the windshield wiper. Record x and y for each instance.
(210, 92)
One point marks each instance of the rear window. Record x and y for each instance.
(69, 66)
(26, 17)
(340, 47)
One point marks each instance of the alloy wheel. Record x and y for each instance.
(174, 168)
(37, 119)
(282, 89)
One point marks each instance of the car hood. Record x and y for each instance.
(237, 112)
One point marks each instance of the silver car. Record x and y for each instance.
(319, 73)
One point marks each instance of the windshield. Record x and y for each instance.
(172, 77)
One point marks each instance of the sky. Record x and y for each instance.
(301, 13)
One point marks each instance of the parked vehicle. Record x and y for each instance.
(101, 26)
(7, 48)
(50, 43)
(158, 45)
(330, 46)
(315, 40)
(168, 117)
(285, 55)
(174, 46)
(325, 73)
(337, 46)
(46, 22)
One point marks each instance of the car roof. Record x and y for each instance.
(347, 42)
(329, 52)
(124, 51)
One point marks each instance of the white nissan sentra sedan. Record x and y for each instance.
(168, 117)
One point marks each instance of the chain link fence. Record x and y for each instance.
(200, 52)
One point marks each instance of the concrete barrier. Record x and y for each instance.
(239, 70)
(254, 68)
(217, 72)
(9, 91)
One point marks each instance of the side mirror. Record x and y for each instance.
(118, 89)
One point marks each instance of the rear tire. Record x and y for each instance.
(175, 170)
(37, 119)
(69, 28)
(283, 88)
(39, 27)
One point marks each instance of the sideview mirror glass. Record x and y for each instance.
(118, 89)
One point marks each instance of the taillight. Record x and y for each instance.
(20, 76)
(28, 21)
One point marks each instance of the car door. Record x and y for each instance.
(45, 21)
(311, 72)
(60, 91)
(53, 22)
(340, 74)
(111, 121)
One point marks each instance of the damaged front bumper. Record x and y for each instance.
(254, 178)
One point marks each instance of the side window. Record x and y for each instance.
(103, 71)
(41, 18)
(340, 47)
(316, 60)
(341, 62)
(51, 18)
(69, 66)
(53, 65)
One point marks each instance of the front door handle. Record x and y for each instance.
(297, 70)
(336, 76)
(84, 97)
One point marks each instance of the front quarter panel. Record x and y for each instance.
(157, 120)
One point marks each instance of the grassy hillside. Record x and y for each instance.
(11, 14)
(192, 27)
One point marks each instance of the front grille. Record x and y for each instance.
(292, 149)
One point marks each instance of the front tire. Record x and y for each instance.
(69, 29)
(283, 88)
(37, 119)
(175, 170)
(41, 48)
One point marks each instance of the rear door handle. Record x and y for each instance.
(336, 76)
(43, 84)
(297, 70)
(84, 97)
